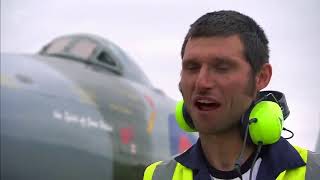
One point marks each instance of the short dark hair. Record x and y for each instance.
(227, 23)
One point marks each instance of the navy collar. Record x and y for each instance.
(276, 158)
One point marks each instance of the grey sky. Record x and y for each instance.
(152, 33)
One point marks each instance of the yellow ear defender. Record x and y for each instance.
(183, 118)
(264, 117)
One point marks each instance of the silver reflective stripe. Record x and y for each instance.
(164, 171)
(313, 166)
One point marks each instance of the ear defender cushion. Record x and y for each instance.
(269, 122)
(183, 118)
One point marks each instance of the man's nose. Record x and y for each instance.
(204, 79)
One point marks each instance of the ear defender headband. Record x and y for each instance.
(264, 118)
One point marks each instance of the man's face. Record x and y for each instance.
(216, 82)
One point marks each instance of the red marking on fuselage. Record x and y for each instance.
(150, 101)
(184, 143)
(126, 135)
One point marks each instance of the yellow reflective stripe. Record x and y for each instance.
(182, 172)
(303, 153)
(148, 173)
(297, 173)
(281, 175)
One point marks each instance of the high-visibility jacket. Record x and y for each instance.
(280, 161)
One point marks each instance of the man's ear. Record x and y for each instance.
(263, 76)
(180, 89)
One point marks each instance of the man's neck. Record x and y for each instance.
(222, 150)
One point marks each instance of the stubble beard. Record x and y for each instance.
(234, 123)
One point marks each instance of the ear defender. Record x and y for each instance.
(264, 117)
(183, 118)
(265, 123)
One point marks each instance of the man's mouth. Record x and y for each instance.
(207, 104)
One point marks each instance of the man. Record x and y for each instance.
(225, 64)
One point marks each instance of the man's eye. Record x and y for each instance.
(223, 68)
(191, 66)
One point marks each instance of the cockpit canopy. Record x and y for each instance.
(98, 51)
